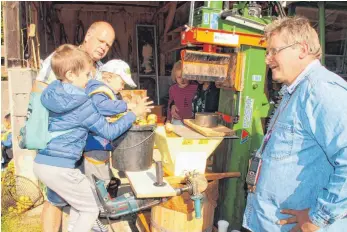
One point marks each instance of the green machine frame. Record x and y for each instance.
(250, 106)
(253, 106)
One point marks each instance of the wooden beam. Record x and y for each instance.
(104, 8)
(137, 3)
(336, 17)
(12, 33)
(333, 36)
(162, 9)
(161, 55)
(176, 30)
(169, 19)
(209, 176)
(171, 45)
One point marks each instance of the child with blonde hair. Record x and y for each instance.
(181, 96)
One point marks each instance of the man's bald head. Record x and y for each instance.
(101, 26)
(98, 40)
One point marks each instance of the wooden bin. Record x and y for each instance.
(177, 214)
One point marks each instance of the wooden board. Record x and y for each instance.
(142, 184)
(219, 131)
(186, 132)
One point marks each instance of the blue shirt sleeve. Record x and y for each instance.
(108, 107)
(327, 118)
(98, 124)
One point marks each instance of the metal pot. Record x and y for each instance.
(207, 119)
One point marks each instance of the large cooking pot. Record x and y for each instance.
(207, 119)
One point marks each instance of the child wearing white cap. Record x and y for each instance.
(105, 97)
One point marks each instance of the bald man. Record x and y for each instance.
(97, 42)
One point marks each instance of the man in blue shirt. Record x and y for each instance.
(302, 184)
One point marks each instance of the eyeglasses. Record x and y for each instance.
(274, 51)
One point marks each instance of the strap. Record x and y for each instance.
(105, 90)
(38, 87)
(94, 161)
(4, 135)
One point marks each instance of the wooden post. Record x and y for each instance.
(161, 37)
(12, 33)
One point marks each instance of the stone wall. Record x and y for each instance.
(4, 99)
(19, 85)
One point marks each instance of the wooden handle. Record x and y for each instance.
(218, 176)
(209, 176)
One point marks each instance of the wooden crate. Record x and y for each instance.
(178, 214)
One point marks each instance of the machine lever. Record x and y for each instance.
(159, 174)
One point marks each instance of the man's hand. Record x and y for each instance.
(301, 218)
(174, 112)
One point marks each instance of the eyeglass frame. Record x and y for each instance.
(278, 50)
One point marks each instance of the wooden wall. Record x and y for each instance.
(122, 18)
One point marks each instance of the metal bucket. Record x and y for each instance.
(133, 151)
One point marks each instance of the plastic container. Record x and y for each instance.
(133, 151)
(223, 226)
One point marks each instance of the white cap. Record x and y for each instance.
(121, 68)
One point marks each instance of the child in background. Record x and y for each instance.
(6, 142)
(181, 96)
(71, 116)
(206, 98)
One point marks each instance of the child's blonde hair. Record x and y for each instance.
(68, 57)
(176, 68)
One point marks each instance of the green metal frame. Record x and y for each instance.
(254, 106)
(321, 10)
(251, 105)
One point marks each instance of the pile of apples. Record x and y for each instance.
(22, 205)
(150, 120)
